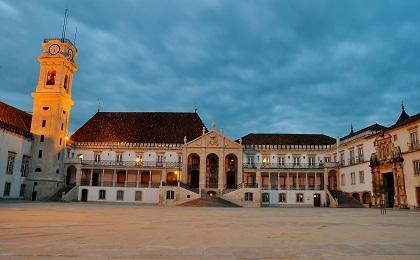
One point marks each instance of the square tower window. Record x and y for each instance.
(44, 123)
(41, 139)
(40, 154)
(51, 77)
(66, 81)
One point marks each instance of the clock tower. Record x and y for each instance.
(52, 102)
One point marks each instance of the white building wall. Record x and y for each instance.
(21, 146)
(149, 196)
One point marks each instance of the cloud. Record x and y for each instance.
(266, 66)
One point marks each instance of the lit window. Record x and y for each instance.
(299, 198)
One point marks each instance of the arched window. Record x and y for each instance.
(38, 170)
(66, 81)
(51, 77)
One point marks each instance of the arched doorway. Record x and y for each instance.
(212, 170)
(332, 180)
(366, 198)
(231, 168)
(71, 175)
(356, 196)
(84, 197)
(193, 170)
(171, 179)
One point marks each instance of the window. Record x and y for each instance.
(282, 197)
(417, 167)
(97, 157)
(413, 138)
(160, 158)
(311, 160)
(299, 197)
(58, 156)
(10, 162)
(119, 157)
(327, 159)
(170, 195)
(362, 177)
(296, 160)
(41, 139)
(353, 178)
(360, 154)
(62, 126)
(38, 170)
(66, 80)
(22, 190)
(40, 154)
(395, 138)
(250, 159)
(139, 195)
(249, 196)
(335, 158)
(7, 187)
(351, 156)
(281, 160)
(51, 77)
(44, 123)
(342, 158)
(25, 166)
(102, 194)
(45, 108)
(343, 179)
(120, 195)
(61, 140)
(266, 197)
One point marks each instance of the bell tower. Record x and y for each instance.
(52, 102)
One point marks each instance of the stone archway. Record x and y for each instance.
(212, 171)
(71, 175)
(231, 169)
(193, 170)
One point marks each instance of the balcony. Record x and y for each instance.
(132, 164)
(414, 146)
(292, 187)
(119, 184)
(283, 165)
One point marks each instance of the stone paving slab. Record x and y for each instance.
(98, 231)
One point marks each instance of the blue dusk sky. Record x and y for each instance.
(250, 66)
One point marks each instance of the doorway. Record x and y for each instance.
(317, 200)
(389, 189)
(195, 178)
(84, 195)
(418, 196)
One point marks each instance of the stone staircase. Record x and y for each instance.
(209, 201)
(345, 200)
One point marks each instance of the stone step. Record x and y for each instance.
(209, 202)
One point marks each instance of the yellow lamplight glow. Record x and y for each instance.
(66, 138)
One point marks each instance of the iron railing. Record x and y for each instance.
(132, 164)
(283, 165)
(413, 146)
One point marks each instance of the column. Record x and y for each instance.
(325, 178)
(202, 172)
(113, 178)
(126, 178)
(150, 178)
(297, 181)
(287, 181)
(306, 181)
(278, 180)
(269, 180)
(102, 177)
(221, 174)
(137, 178)
(315, 182)
(91, 175)
(258, 173)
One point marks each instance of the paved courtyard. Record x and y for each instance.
(77, 230)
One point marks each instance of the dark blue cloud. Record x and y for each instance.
(251, 66)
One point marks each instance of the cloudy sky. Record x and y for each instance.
(250, 66)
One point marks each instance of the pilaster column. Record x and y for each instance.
(306, 181)
(126, 178)
(150, 178)
(137, 178)
(203, 168)
(325, 178)
(91, 175)
(258, 173)
(102, 177)
(113, 178)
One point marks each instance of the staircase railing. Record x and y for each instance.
(188, 187)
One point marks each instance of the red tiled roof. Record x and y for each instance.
(15, 120)
(287, 139)
(140, 127)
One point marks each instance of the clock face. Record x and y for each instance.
(54, 49)
(70, 54)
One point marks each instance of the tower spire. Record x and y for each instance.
(63, 32)
(402, 106)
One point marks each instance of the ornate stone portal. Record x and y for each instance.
(387, 171)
